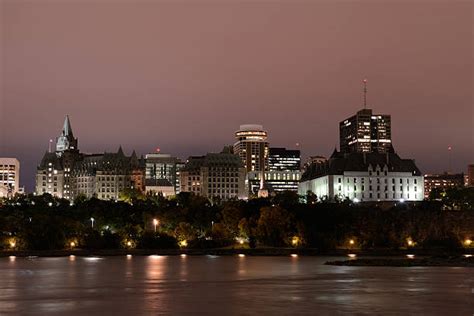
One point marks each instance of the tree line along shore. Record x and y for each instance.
(285, 221)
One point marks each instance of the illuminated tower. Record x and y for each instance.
(365, 131)
(66, 140)
(252, 147)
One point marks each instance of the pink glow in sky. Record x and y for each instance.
(182, 76)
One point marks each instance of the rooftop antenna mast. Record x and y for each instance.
(50, 143)
(365, 93)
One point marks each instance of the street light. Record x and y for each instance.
(92, 222)
(155, 223)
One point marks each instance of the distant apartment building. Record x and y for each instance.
(442, 182)
(364, 177)
(217, 176)
(366, 132)
(161, 172)
(9, 177)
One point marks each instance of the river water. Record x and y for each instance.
(227, 285)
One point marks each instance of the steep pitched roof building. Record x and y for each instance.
(364, 177)
(67, 173)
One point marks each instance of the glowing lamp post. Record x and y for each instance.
(92, 222)
(155, 223)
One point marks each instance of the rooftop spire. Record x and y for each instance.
(120, 151)
(365, 93)
(67, 129)
(66, 140)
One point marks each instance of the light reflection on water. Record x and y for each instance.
(230, 285)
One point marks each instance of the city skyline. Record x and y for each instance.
(299, 79)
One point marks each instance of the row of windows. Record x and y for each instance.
(223, 179)
(362, 180)
(7, 167)
(386, 195)
(214, 191)
(223, 174)
(362, 188)
(227, 185)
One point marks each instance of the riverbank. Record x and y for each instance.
(236, 251)
(410, 261)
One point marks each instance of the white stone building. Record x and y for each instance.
(364, 177)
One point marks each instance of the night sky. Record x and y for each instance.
(183, 76)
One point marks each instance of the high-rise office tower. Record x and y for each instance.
(284, 170)
(366, 132)
(252, 147)
(282, 159)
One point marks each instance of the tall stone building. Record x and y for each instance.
(215, 176)
(107, 175)
(67, 173)
(364, 177)
(53, 174)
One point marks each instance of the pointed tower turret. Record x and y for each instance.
(67, 129)
(66, 140)
(134, 160)
(120, 151)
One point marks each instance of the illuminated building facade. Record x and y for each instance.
(364, 177)
(219, 176)
(9, 177)
(252, 147)
(442, 182)
(67, 173)
(163, 167)
(366, 132)
(106, 176)
(53, 175)
(275, 181)
(284, 171)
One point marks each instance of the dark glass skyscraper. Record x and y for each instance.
(366, 132)
(282, 159)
